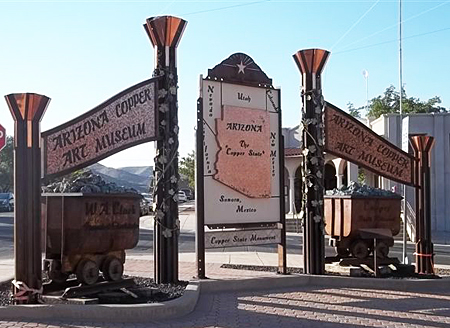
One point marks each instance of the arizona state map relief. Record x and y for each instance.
(243, 161)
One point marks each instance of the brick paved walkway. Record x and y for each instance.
(188, 270)
(301, 307)
(288, 307)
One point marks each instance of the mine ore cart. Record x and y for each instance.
(88, 233)
(354, 222)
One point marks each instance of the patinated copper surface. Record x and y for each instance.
(348, 138)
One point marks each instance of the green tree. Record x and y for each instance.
(353, 111)
(389, 102)
(187, 168)
(7, 166)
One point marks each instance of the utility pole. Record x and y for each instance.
(366, 77)
(403, 187)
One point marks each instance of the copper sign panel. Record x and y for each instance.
(348, 138)
(125, 120)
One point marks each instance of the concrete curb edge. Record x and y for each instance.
(186, 303)
(110, 312)
(297, 280)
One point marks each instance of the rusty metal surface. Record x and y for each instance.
(344, 216)
(90, 223)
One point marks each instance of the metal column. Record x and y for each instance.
(422, 146)
(311, 63)
(27, 110)
(165, 33)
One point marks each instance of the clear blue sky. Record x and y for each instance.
(80, 53)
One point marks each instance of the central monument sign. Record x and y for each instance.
(239, 160)
(241, 148)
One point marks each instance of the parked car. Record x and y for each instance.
(182, 196)
(146, 204)
(6, 202)
(189, 193)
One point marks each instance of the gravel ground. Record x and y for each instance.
(161, 292)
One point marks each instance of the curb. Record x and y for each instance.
(297, 280)
(140, 313)
(6, 279)
(106, 312)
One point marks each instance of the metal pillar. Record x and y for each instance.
(27, 110)
(165, 33)
(292, 209)
(311, 63)
(422, 146)
(282, 251)
(200, 194)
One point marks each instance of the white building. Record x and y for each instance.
(339, 172)
(437, 126)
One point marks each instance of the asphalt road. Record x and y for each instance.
(187, 244)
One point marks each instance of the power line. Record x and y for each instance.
(395, 25)
(354, 24)
(223, 8)
(391, 41)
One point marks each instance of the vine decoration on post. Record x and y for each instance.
(314, 155)
(167, 157)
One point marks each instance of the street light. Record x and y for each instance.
(365, 73)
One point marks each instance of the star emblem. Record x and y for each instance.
(241, 68)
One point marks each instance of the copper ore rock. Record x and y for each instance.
(355, 189)
(85, 182)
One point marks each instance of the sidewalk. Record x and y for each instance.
(241, 298)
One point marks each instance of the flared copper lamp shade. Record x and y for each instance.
(422, 142)
(27, 106)
(311, 61)
(165, 30)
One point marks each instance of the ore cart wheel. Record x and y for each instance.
(382, 249)
(87, 272)
(342, 251)
(112, 268)
(359, 249)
